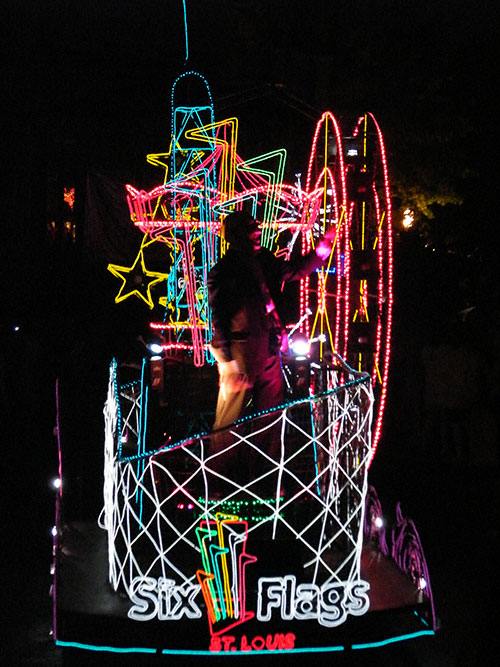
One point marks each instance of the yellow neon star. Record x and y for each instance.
(136, 279)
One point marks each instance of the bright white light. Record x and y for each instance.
(379, 522)
(56, 483)
(408, 218)
(54, 531)
(155, 348)
(300, 346)
(156, 357)
(422, 584)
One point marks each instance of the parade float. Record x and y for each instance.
(298, 559)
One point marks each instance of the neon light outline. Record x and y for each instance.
(230, 599)
(319, 649)
(207, 179)
(123, 271)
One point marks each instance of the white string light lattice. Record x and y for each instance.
(310, 494)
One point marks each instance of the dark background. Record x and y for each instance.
(86, 90)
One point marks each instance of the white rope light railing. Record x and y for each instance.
(313, 494)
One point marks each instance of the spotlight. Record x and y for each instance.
(300, 365)
(156, 349)
(408, 218)
(300, 346)
(56, 483)
(379, 522)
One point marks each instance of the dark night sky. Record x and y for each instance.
(100, 73)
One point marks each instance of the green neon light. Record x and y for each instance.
(272, 195)
(204, 533)
(242, 507)
(215, 553)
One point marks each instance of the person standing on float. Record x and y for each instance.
(243, 288)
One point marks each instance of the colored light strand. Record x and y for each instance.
(191, 652)
(205, 179)
(184, 9)
(385, 287)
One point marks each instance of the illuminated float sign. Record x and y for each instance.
(223, 589)
(278, 599)
(329, 604)
(215, 570)
(199, 566)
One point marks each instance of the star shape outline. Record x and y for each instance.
(123, 272)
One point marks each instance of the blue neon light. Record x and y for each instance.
(108, 649)
(142, 436)
(186, 29)
(114, 364)
(422, 620)
(318, 649)
(283, 406)
(316, 467)
(393, 640)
